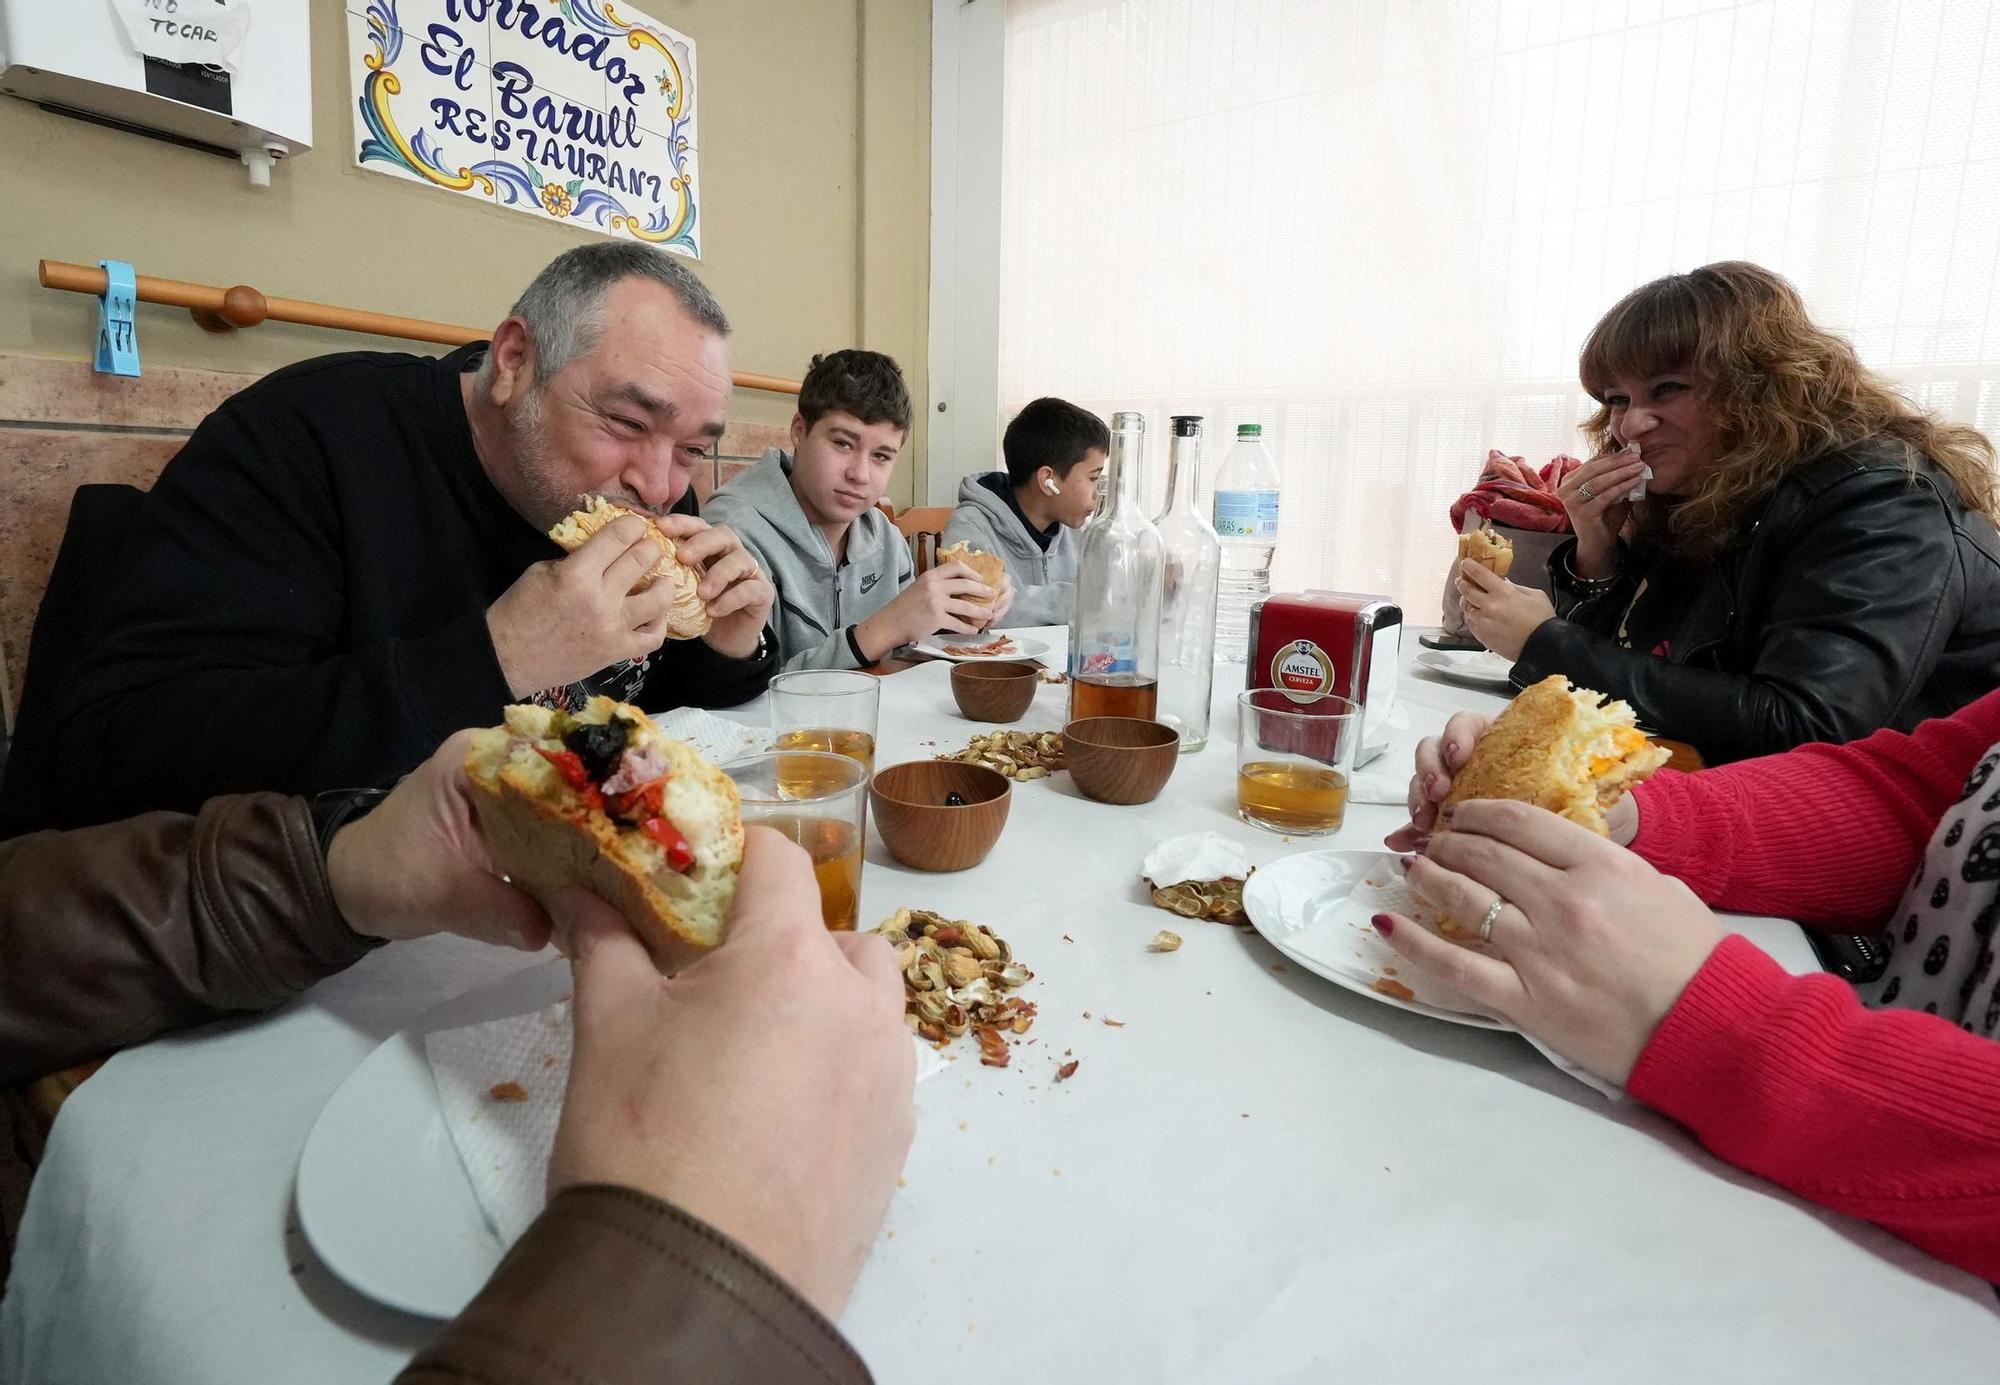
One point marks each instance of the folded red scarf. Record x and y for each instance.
(1511, 492)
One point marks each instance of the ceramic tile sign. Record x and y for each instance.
(580, 111)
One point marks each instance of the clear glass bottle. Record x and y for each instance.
(1246, 520)
(1187, 601)
(1114, 627)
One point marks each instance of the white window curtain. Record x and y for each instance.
(1382, 228)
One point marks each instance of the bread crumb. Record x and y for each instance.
(507, 1091)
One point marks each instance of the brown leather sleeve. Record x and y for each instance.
(112, 934)
(611, 1286)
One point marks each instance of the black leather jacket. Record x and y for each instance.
(1861, 595)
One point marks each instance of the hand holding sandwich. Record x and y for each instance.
(949, 598)
(1500, 614)
(765, 1089)
(1591, 948)
(567, 618)
(738, 595)
(1439, 760)
(418, 864)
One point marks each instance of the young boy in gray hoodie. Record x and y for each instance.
(848, 593)
(1029, 513)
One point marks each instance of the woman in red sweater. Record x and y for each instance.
(1883, 1104)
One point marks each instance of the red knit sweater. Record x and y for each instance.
(1891, 1115)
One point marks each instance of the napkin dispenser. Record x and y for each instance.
(1345, 643)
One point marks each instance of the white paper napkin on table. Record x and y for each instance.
(718, 739)
(505, 1145)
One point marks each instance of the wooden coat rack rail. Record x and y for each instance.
(223, 310)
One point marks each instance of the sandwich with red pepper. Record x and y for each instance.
(604, 799)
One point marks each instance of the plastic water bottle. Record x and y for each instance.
(1246, 521)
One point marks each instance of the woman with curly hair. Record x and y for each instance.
(1812, 558)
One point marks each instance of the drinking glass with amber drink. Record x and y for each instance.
(816, 798)
(828, 709)
(1294, 757)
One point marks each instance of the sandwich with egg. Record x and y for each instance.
(1569, 750)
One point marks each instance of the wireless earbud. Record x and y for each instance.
(1051, 487)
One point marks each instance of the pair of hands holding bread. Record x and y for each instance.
(630, 582)
(963, 594)
(766, 1089)
(1593, 946)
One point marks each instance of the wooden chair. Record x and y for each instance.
(924, 529)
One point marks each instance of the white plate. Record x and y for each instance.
(1023, 649)
(1315, 908)
(382, 1196)
(1480, 668)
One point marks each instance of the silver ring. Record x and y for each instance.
(1584, 492)
(1492, 913)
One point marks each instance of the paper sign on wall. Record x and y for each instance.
(186, 31)
(580, 111)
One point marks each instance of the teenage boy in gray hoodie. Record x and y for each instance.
(848, 593)
(1029, 513)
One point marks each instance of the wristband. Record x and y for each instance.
(336, 808)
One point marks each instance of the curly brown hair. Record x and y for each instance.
(1782, 391)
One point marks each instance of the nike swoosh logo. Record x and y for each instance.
(868, 582)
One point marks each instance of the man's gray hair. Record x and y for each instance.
(564, 306)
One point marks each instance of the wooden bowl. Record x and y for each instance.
(1120, 759)
(993, 692)
(924, 832)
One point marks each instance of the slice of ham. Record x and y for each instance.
(640, 765)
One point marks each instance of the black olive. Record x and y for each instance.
(954, 800)
(598, 745)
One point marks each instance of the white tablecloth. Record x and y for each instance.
(1260, 1177)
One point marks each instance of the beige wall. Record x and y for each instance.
(814, 123)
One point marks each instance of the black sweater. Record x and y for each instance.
(301, 606)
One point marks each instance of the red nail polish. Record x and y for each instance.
(1409, 861)
(1383, 924)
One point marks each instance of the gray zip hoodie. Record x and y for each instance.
(815, 602)
(1043, 581)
